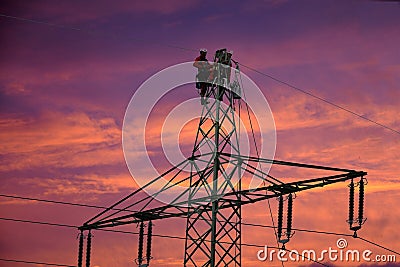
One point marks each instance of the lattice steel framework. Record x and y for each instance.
(213, 235)
(212, 193)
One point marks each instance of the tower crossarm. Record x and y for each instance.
(227, 200)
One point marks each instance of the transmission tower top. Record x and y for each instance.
(210, 187)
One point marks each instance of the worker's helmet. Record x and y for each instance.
(203, 50)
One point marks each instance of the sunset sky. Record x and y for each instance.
(70, 68)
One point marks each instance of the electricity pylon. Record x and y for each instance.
(211, 194)
(213, 234)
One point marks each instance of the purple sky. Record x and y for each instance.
(65, 85)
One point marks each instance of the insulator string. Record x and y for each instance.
(149, 237)
(361, 203)
(280, 217)
(80, 249)
(140, 247)
(351, 203)
(88, 248)
(289, 216)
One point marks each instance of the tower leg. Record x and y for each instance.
(214, 242)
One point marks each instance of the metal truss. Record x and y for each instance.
(210, 196)
(213, 196)
(135, 208)
(213, 235)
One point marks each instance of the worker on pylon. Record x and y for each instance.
(223, 58)
(201, 63)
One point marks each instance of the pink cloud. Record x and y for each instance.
(65, 144)
(55, 136)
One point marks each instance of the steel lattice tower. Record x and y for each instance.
(216, 186)
(213, 235)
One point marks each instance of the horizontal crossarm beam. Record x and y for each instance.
(230, 199)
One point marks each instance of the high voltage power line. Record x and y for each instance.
(166, 236)
(102, 207)
(36, 262)
(134, 233)
(187, 49)
(321, 99)
(92, 32)
(56, 25)
(183, 238)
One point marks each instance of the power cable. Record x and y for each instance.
(183, 238)
(134, 233)
(38, 222)
(101, 207)
(301, 230)
(118, 231)
(91, 32)
(377, 245)
(320, 98)
(60, 202)
(258, 156)
(36, 262)
(195, 50)
(248, 67)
